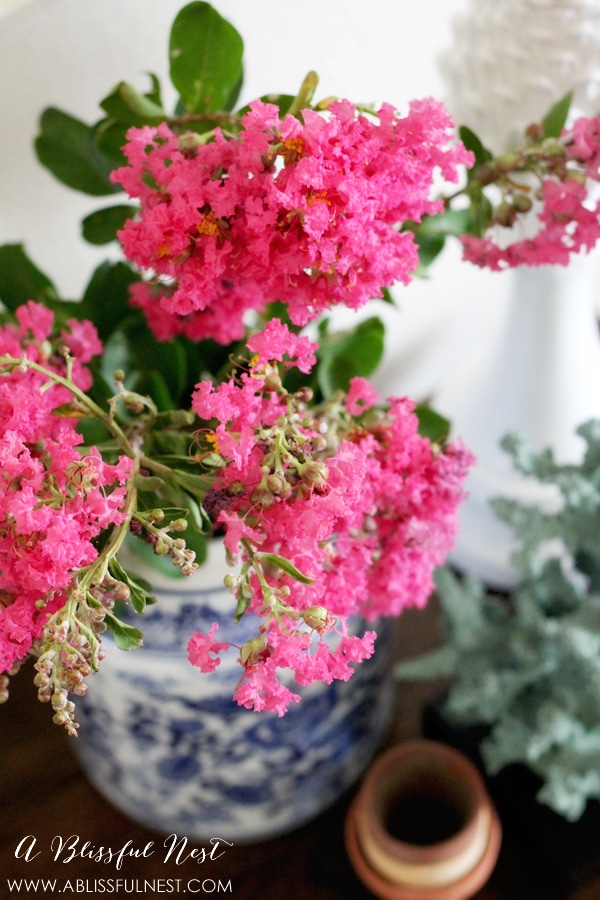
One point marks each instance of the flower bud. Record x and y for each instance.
(181, 417)
(262, 495)
(251, 650)
(316, 617)
(305, 394)
(486, 174)
(122, 592)
(236, 489)
(59, 699)
(534, 132)
(97, 615)
(133, 403)
(319, 444)
(504, 215)
(178, 525)
(276, 484)
(61, 717)
(314, 472)
(522, 203)
(506, 162)
(232, 582)
(188, 143)
(273, 381)
(303, 491)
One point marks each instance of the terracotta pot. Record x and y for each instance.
(423, 825)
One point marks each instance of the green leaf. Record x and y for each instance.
(20, 279)
(193, 484)
(93, 431)
(161, 367)
(344, 355)
(481, 211)
(110, 137)
(473, 143)
(555, 119)
(67, 148)
(198, 519)
(280, 562)
(116, 355)
(155, 384)
(155, 93)
(167, 444)
(451, 221)
(242, 605)
(430, 245)
(101, 227)
(234, 93)
(387, 297)
(430, 234)
(125, 104)
(126, 636)
(432, 425)
(148, 482)
(106, 297)
(205, 53)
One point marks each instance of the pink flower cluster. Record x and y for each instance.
(304, 212)
(568, 218)
(361, 505)
(53, 501)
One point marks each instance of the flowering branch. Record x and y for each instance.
(69, 648)
(85, 404)
(332, 505)
(322, 505)
(528, 206)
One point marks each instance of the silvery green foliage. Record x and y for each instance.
(528, 665)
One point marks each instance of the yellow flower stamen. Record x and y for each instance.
(208, 225)
(213, 440)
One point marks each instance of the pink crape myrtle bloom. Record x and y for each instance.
(583, 145)
(363, 507)
(53, 500)
(203, 650)
(568, 219)
(361, 396)
(276, 342)
(304, 212)
(567, 226)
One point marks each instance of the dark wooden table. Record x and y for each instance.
(43, 793)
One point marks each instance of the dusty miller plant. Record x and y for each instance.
(528, 666)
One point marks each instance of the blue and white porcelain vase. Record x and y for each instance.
(168, 746)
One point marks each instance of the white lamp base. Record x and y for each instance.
(542, 379)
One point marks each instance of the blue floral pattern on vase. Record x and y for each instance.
(168, 746)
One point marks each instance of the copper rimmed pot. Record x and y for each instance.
(423, 825)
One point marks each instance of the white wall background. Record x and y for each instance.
(70, 53)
